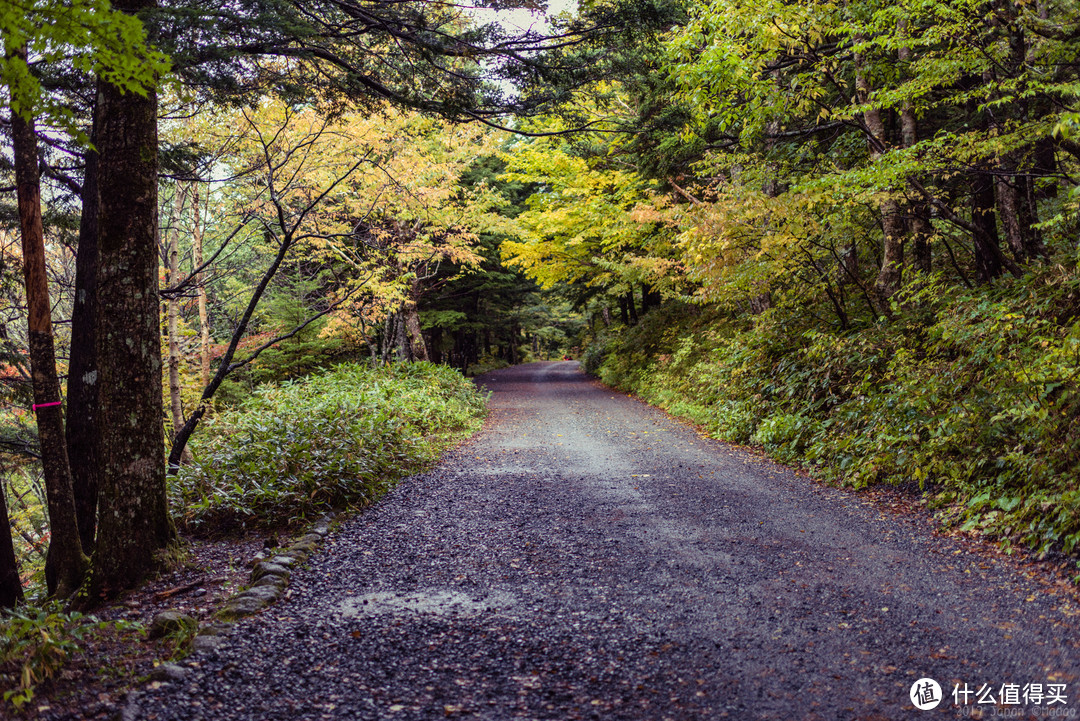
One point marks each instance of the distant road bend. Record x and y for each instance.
(587, 557)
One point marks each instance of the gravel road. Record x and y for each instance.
(587, 557)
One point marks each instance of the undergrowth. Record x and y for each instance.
(973, 394)
(35, 643)
(330, 440)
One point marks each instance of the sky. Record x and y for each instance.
(522, 20)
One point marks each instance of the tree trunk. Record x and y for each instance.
(417, 347)
(65, 559)
(1008, 207)
(435, 347)
(134, 519)
(11, 592)
(401, 337)
(415, 338)
(176, 406)
(200, 286)
(917, 212)
(988, 260)
(890, 275)
(892, 263)
(921, 232)
(1012, 190)
(386, 342)
(82, 381)
(650, 298)
(760, 303)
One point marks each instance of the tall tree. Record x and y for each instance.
(66, 563)
(133, 511)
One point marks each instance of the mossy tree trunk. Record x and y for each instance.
(133, 513)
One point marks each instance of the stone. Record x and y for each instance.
(265, 567)
(301, 551)
(170, 621)
(271, 580)
(202, 644)
(263, 593)
(216, 628)
(168, 672)
(240, 606)
(286, 561)
(130, 710)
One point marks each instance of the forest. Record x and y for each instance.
(843, 233)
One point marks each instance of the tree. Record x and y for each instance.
(133, 517)
(956, 104)
(66, 561)
(414, 54)
(593, 221)
(292, 165)
(86, 36)
(367, 208)
(70, 32)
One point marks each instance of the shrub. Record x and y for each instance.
(335, 439)
(971, 394)
(36, 642)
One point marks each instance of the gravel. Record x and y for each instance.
(588, 557)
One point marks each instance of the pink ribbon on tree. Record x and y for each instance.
(43, 405)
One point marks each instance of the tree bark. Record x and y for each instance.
(65, 560)
(921, 232)
(650, 298)
(82, 381)
(11, 592)
(1008, 206)
(988, 259)
(890, 276)
(760, 303)
(172, 311)
(401, 337)
(917, 212)
(417, 346)
(200, 286)
(134, 520)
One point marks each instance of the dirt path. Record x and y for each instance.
(585, 556)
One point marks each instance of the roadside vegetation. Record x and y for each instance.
(970, 396)
(332, 440)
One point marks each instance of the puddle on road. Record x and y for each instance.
(435, 602)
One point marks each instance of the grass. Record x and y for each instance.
(330, 440)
